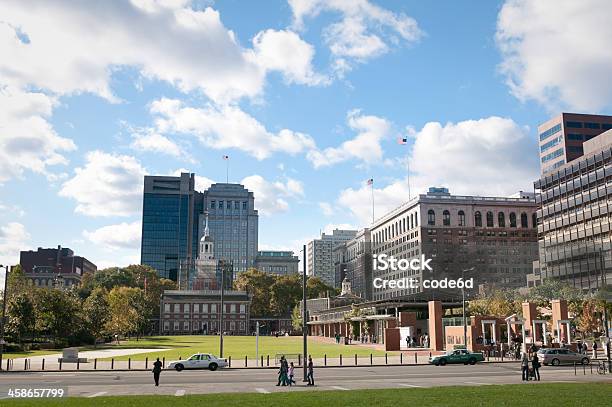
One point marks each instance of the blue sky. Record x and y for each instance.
(307, 98)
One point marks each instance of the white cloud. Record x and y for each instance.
(224, 127)
(107, 185)
(286, 52)
(492, 157)
(363, 32)
(114, 237)
(27, 139)
(271, 197)
(366, 146)
(155, 142)
(13, 239)
(557, 52)
(326, 208)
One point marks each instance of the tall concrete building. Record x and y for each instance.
(173, 222)
(561, 138)
(319, 254)
(277, 262)
(493, 237)
(353, 262)
(234, 224)
(575, 217)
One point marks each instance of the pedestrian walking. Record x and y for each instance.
(310, 375)
(535, 365)
(157, 368)
(291, 371)
(525, 366)
(282, 373)
(594, 349)
(407, 341)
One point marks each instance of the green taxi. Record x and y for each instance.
(457, 356)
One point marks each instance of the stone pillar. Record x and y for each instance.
(436, 332)
(530, 313)
(509, 334)
(559, 313)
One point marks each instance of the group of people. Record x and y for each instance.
(421, 341)
(287, 371)
(528, 358)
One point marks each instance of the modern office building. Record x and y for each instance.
(234, 224)
(277, 262)
(490, 239)
(561, 138)
(575, 215)
(173, 223)
(319, 254)
(169, 222)
(353, 262)
(54, 267)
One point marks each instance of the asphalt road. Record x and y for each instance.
(94, 384)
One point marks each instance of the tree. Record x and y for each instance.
(58, 314)
(96, 312)
(124, 317)
(296, 319)
(317, 288)
(588, 321)
(258, 284)
(286, 292)
(21, 317)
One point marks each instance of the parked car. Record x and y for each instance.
(561, 356)
(198, 361)
(457, 356)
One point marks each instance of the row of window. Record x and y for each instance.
(588, 125)
(399, 227)
(553, 155)
(203, 308)
(550, 131)
(228, 205)
(550, 144)
(501, 219)
(204, 326)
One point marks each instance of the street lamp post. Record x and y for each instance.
(305, 318)
(463, 305)
(222, 264)
(6, 275)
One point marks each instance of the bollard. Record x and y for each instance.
(261, 364)
(416, 361)
(163, 361)
(429, 355)
(268, 360)
(8, 361)
(583, 369)
(245, 361)
(502, 356)
(60, 365)
(25, 364)
(129, 363)
(325, 359)
(401, 358)
(385, 358)
(78, 364)
(355, 359)
(229, 361)
(112, 363)
(43, 364)
(371, 359)
(95, 363)
(299, 359)
(574, 368)
(591, 366)
(341, 359)
(146, 363)
(179, 357)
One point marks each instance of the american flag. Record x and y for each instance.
(402, 140)
(226, 157)
(370, 181)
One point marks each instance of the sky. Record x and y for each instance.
(306, 97)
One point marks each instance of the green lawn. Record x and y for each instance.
(239, 346)
(540, 395)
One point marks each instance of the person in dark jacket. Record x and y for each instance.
(157, 368)
(310, 375)
(535, 365)
(525, 366)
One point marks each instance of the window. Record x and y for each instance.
(534, 220)
(196, 308)
(431, 217)
(229, 205)
(461, 218)
(553, 155)
(446, 218)
(489, 219)
(236, 205)
(550, 132)
(220, 204)
(166, 326)
(576, 137)
(512, 219)
(242, 308)
(176, 325)
(185, 326)
(478, 219)
(606, 126)
(176, 308)
(244, 206)
(524, 223)
(573, 125)
(550, 144)
(501, 220)
(575, 149)
(592, 125)
(213, 308)
(233, 309)
(166, 306)
(213, 204)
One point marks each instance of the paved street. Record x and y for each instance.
(94, 384)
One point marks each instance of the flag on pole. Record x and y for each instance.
(371, 181)
(226, 157)
(402, 140)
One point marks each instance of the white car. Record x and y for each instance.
(198, 361)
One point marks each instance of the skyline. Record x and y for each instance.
(82, 122)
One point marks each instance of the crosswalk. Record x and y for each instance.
(98, 394)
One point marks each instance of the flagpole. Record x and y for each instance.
(372, 189)
(408, 165)
(227, 171)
